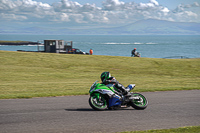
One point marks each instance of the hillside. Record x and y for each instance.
(152, 26)
(25, 75)
(17, 43)
(142, 27)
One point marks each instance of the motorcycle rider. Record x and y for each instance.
(109, 81)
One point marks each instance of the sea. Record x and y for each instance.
(149, 46)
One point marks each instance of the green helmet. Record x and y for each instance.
(105, 76)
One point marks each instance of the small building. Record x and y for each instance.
(57, 46)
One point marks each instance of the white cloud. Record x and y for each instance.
(183, 7)
(36, 4)
(111, 12)
(4, 16)
(112, 4)
(64, 17)
(196, 4)
(154, 2)
(186, 15)
(165, 10)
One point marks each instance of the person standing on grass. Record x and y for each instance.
(91, 51)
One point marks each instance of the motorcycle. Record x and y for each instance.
(104, 97)
(137, 54)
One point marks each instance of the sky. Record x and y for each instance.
(94, 13)
(168, 3)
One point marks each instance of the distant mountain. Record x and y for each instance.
(152, 26)
(142, 27)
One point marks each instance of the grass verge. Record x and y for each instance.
(192, 129)
(26, 74)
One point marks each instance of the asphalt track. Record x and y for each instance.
(170, 109)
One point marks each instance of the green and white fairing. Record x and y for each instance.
(102, 89)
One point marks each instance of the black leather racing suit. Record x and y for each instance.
(133, 52)
(121, 89)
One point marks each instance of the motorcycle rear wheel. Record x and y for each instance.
(140, 103)
(98, 104)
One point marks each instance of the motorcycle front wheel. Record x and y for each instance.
(138, 101)
(98, 103)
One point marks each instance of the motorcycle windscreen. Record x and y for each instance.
(114, 101)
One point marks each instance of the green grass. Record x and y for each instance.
(26, 74)
(192, 129)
